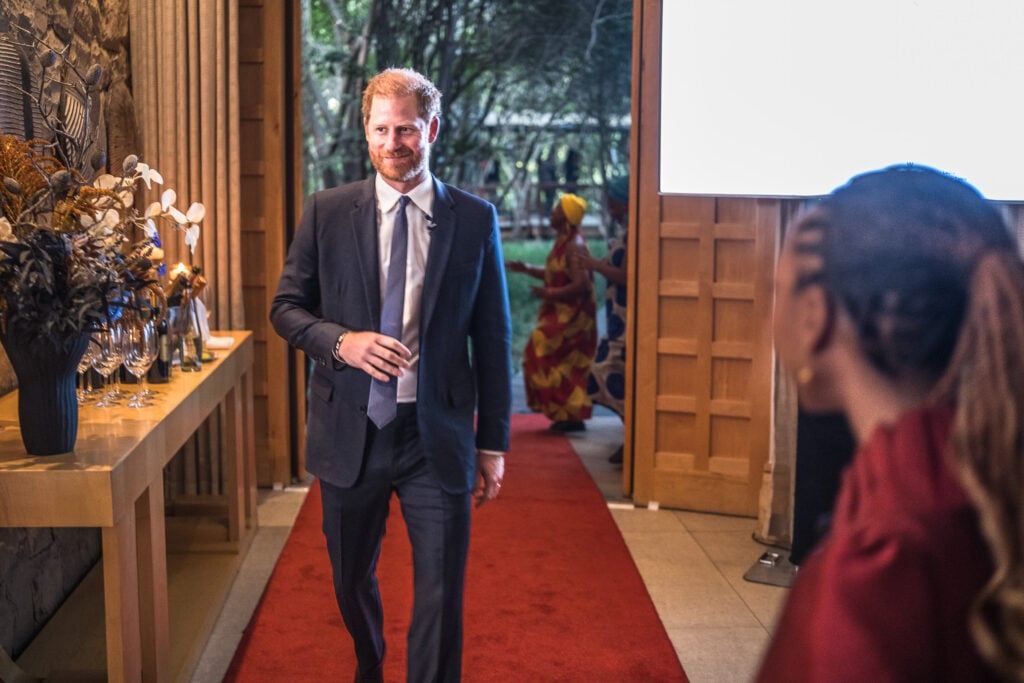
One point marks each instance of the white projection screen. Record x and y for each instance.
(790, 98)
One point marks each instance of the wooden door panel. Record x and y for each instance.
(266, 168)
(700, 364)
(704, 348)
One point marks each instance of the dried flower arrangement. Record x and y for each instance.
(74, 250)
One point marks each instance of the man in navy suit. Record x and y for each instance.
(393, 410)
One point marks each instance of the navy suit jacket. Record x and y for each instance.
(330, 283)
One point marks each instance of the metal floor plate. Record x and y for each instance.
(772, 568)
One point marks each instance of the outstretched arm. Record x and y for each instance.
(527, 268)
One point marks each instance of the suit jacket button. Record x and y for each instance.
(362, 409)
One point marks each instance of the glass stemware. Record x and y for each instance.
(120, 328)
(85, 388)
(140, 352)
(108, 358)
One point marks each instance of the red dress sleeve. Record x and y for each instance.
(887, 595)
(861, 610)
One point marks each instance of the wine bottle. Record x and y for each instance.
(160, 370)
(191, 341)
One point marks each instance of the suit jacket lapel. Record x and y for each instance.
(364, 236)
(441, 240)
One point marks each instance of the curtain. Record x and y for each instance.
(184, 67)
(184, 77)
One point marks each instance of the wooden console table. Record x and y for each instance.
(114, 480)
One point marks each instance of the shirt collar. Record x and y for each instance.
(422, 195)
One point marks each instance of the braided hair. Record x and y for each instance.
(931, 276)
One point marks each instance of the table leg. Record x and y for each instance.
(240, 461)
(249, 434)
(121, 600)
(234, 462)
(152, 549)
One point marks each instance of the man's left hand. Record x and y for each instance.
(490, 470)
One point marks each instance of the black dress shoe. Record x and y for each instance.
(616, 457)
(568, 426)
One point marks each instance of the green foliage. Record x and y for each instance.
(523, 304)
(519, 78)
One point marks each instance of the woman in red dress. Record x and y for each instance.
(900, 302)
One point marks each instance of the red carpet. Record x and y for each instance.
(551, 592)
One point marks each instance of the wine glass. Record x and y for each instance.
(120, 329)
(108, 358)
(140, 352)
(85, 390)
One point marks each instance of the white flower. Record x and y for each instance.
(105, 181)
(101, 223)
(196, 212)
(168, 198)
(149, 175)
(177, 215)
(124, 191)
(90, 219)
(192, 237)
(163, 210)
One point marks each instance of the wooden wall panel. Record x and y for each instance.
(265, 170)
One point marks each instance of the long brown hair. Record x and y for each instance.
(931, 275)
(986, 380)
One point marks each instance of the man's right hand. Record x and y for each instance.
(380, 356)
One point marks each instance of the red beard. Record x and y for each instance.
(406, 166)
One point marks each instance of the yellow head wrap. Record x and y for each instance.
(573, 207)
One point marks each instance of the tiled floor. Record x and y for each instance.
(692, 565)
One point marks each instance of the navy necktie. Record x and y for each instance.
(383, 404)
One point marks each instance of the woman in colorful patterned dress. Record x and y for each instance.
(607, 383)
(556, 361)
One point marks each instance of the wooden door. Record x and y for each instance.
(702, 360)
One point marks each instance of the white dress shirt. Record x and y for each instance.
(418, 213)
